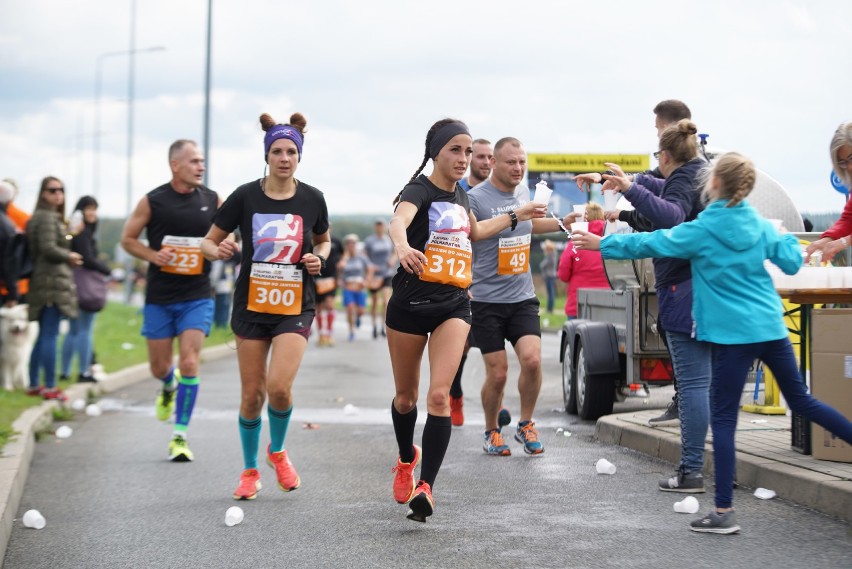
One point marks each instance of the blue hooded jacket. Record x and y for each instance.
(734, 300)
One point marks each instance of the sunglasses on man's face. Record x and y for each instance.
(54, 190)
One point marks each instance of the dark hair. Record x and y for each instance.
(42, 204)
(679, 141)
(429, 135)
(84, 202)
(297, 121)
(672, 110)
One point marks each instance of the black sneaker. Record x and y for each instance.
(670, 414)
(688, 482)
(86, 378)
(715, 522)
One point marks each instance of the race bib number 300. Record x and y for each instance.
(513, 255)
(448, 259)
(275, 289)
(186, 255)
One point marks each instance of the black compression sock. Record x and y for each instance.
(456, 388)
(403, 427)
(436, 439)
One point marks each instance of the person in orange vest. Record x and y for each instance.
(19, 219)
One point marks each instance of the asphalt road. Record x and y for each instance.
(111, 499)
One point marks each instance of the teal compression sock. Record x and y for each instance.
(250, 439)
(278, 423)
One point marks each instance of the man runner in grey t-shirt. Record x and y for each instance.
(504, 305)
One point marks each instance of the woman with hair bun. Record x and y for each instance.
(663, 204)
(730, 233)
(839, 236)
(431, 229)
(284, 225)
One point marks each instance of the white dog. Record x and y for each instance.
(17, 336)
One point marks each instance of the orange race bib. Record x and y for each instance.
(448, 259)
(513, 255)
(275, 289)
(186, 257)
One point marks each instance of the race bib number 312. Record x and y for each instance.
(186, 255)
(448, 260)
(275, 289)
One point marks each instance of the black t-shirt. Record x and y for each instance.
(275, 232)
(439, 211)
(179, 215)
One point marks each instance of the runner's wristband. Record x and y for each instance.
(514, 217)
(322, 261)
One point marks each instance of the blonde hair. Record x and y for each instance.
(842, 137)
(594, 211)
(735, 175)
(679, 141)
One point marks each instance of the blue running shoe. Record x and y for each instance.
(504, 417)
(528, 436)
(495, 445)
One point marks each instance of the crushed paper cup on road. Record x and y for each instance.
(233, 516)
(350, 409)
(603, 466)
(93, 410)
(33, 519)
(764, 494)
(78, 404)
(688, 505)
(63, 432)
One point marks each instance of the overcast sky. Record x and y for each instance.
(767, 78)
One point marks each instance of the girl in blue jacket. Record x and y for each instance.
(736, 309)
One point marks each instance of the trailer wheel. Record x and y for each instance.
(569, 377)
(594, 391)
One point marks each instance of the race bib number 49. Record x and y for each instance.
(448, 260)
(513, 255)
(186, 255)
(275, 289)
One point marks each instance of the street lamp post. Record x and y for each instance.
(96, 133)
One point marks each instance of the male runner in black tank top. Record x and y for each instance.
(178, 297)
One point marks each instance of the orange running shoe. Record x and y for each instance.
(288, 479)
(403, 483)
(422, 504)
(249, 485)
(457, 411)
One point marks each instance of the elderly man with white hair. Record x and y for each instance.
(9, 267)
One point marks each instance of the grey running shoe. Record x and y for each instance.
(715, 522)
(691, 482)
(670, 414)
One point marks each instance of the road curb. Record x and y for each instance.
(824, 493)
(18, 452)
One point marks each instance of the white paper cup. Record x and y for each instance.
(688, 505)
(603, 466)
(64, 432)
(34, 519)
(581, 225)
(233, 516)
(93, 410)
(542, 194)
(610, 199)
(581, 209)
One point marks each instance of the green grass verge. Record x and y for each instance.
(118, 344)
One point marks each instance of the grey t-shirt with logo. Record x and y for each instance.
(486, 201)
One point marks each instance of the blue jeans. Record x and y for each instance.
(692, 362)
(222, 310)
(730, 368)
(79, 341)
(44, 350)
(550, 286)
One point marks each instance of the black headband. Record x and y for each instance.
(444, 135)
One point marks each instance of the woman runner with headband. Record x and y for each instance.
(284, 224)
(431, 230)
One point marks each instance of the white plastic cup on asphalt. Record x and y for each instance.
(92, 410)
(603, 466)
(350, 409)
(233, 516)
(688, 505)
(78, 404)
(610, 199)
(34, 519)
(579, 225)
(542, 193)
(64, 432)
(764, 494)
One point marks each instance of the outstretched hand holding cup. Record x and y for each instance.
(531, 210)
(585, 240)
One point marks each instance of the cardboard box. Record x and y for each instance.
(831, 377)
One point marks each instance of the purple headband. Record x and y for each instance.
(282, 131)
